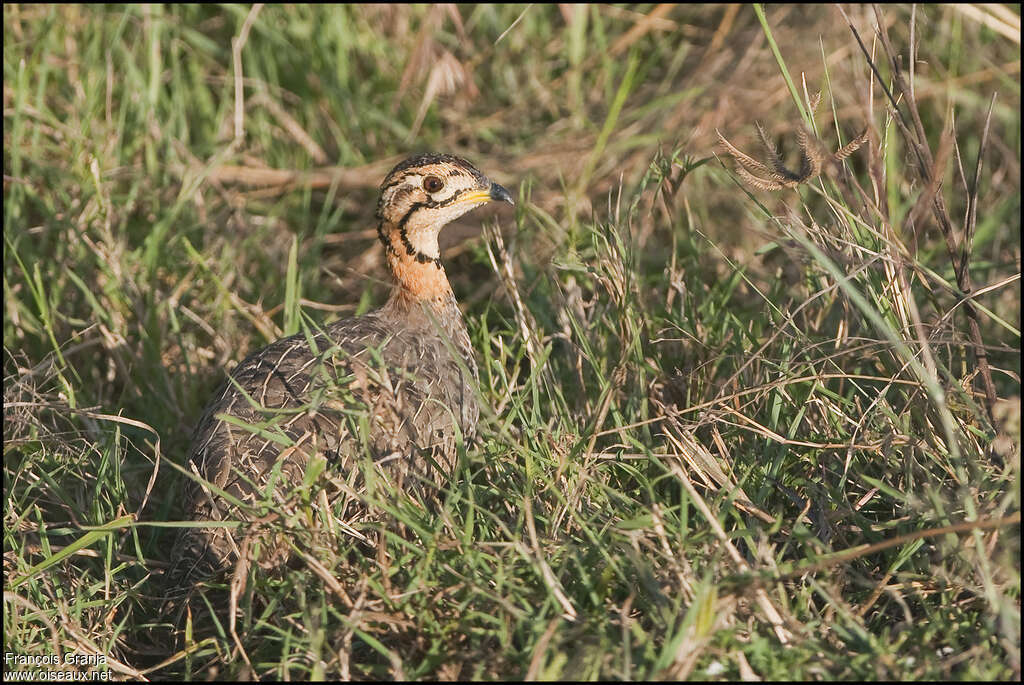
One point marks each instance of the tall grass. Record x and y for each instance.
(726, 432)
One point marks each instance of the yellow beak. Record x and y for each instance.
(494, 193)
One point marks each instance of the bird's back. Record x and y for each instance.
(388, 388)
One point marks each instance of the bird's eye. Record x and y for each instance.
(432, 184)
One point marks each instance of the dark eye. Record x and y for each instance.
(432, 184)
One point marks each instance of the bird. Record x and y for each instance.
(396, 385)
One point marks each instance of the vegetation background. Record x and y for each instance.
(735, 433)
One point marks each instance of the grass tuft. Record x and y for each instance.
(729, 430)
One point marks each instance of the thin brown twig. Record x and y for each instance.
(237, 43)
(866, 549)
(640, 28)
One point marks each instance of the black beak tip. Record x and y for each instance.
(499, 194)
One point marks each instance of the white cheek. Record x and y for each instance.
(423, 228)
(454, 211)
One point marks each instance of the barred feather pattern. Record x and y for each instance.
(408, 367)
(391, 391)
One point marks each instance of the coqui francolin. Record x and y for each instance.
(405, 373)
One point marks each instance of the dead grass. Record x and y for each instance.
(734, 433)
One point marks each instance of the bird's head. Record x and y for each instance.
(424, 193)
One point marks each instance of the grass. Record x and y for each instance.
(727, 432)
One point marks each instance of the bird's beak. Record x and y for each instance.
(499, 194)
(493, 193)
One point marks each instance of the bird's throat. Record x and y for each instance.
(415, 266)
